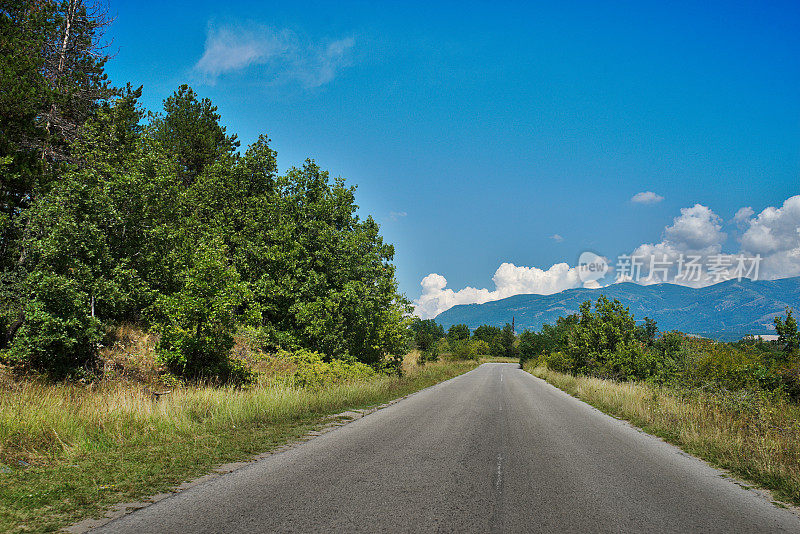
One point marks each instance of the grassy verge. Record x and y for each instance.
(497, 359)
(755, 438)
(69, 452)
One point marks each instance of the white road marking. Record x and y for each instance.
(499, 477)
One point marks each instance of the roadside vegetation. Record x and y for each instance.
(733, 404)
(71, 450)
(459, 343)
(111, 214)
(168, 299)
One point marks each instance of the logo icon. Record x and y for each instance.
(591, 267)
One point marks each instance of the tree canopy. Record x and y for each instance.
(110, 213)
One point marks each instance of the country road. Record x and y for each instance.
(494, 450)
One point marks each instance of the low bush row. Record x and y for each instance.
(604, 340)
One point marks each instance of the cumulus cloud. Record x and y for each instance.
(395, 216)
(690, 253)
(509, 280)
(743, 215)
(769, 247)
(697, 229)
(286, 56)
(695, 235)
(775, 235)
(557, 238)
(646, 197)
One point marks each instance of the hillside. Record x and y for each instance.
(723, 311)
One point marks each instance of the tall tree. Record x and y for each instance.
(788, 335)
(52, 74)
(190, 131)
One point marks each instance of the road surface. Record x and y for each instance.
(494, 450)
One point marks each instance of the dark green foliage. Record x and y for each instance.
(505, 343)
(606, 342)
(197, 322)
(427, 333)
(788, 335)
(430, 354)
(59, 335)
(486, 333)
(458, 332)
(51, 80)
(647, 331)
(190, 132)
(470, 349)
(104, 219)
(502, 342)
(551, 338)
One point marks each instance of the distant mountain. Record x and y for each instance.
(724, 311)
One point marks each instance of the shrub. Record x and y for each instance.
(59, 335)
(560, 361)
(482, 348)
(467, 350)
(433, 351)
(313, 372)
(632, 361)
(197, 323)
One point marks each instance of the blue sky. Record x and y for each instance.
(488, 133)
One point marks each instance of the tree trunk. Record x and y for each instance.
(12, 331)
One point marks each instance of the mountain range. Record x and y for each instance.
(724, 311)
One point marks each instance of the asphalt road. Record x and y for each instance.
(494, 450)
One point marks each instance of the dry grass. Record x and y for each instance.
(131, 356)
(754, 437)
(68, 451)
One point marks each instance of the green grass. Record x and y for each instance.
(754, 437)
(69, 452)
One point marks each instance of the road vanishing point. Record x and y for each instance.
(493, 450)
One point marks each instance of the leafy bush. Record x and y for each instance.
(59, 335)
(426, 333)
(631, 361)
(197, 323)
(457, 333)
(559, 361)
(606, 342)
(313, 371)
(470, 350)
(433, 351)
(552, 337)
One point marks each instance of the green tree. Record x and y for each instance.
(788, 335)
(52, 77)
(191, 133)
(647, 331)
(505, 342)
(59, 335)
(197, 323)
(486, 333)
(458, 333)
(427, 333)
(551, 338)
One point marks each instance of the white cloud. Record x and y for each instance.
(557, 238)
(774, 234)
(697, 232)
(229, 49)
(743, 215)
(286, 56)
(395, 216)
(646, 197)
(509, 280)
(696, 229)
